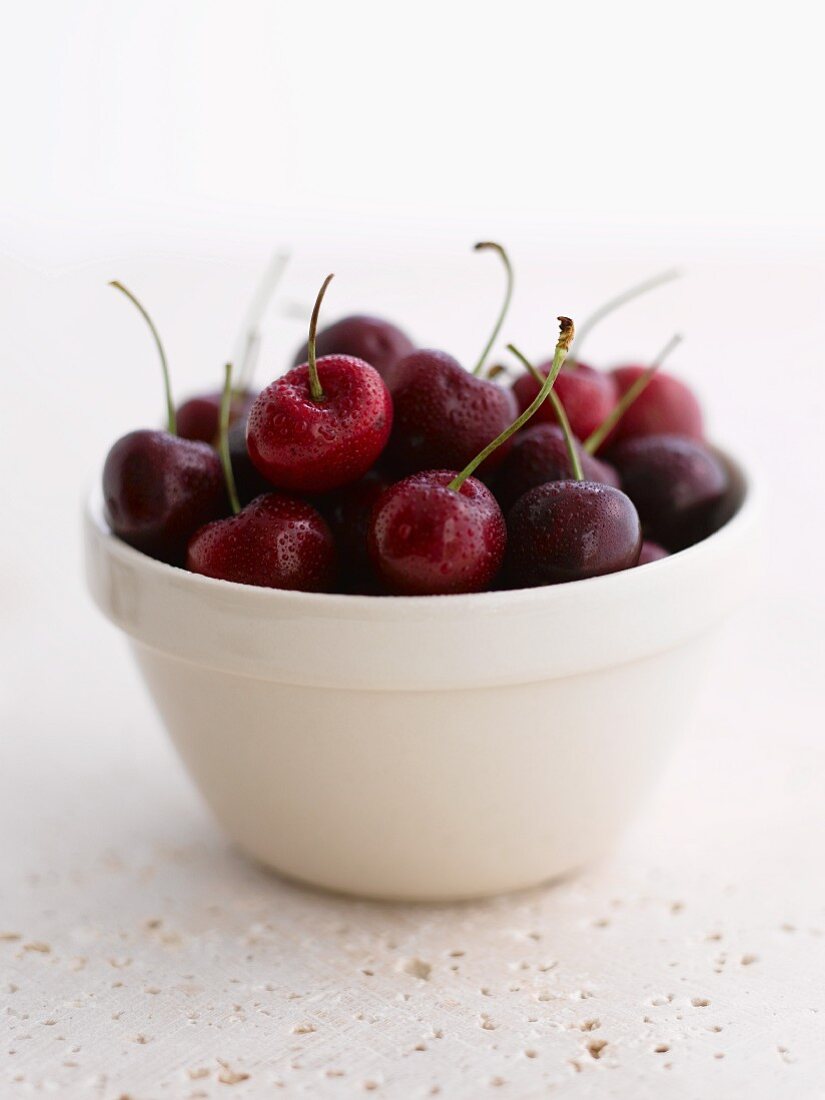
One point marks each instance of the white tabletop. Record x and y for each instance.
(141, 957)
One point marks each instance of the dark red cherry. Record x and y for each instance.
(444, 415)
(249, 481)
(377, 342)
(158, 489)
(651, 551)
(348, 511)
(426, 538)
(679, 487)
(321, 425)
(665, 406)
(197, 417)
(539, 454)
(571, 530)
(274, 542)
(587, 394)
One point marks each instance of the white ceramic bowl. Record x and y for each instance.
(436, 747)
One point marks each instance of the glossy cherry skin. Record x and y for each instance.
(377, 342)
(158, 489)
(426, 539)
(274, 542)
(311, 446)
(652, 551)
(199, 416)
(587, 394)
(539, 454)
(571, 530)
(678, 486)
(444, 415)
(348, 512)
(666, 405)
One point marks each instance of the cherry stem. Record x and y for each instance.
(171, 421)
(508, 294)
(223, 440)
(598, 436)
(315, 388)
(616, 303)
(564, 423)
(562, 347)
(249, 339)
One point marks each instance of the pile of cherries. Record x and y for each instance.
(378, 468)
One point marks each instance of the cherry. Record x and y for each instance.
(438, 532)
(197, 417)
(588, 395)
(276, 541)
(348, 511)
(249, 482)
(443, 414)
(427, 537)
(321, 425)
(651, 551)
(377, 342)
(157, 487)
(572, 529)
(607, 429)
(679, 487)
(666, 406)
(539, 454)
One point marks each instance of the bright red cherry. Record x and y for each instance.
(665, 406)
(377, 342)
(427, 538)
(651, 551)
(274, 542)
(588, 395)
(571, 530)
(679, 487)
(539, 454)
(321, 425)
(158, 488)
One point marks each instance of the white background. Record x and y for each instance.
(174, 145)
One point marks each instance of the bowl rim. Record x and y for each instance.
(390, 607)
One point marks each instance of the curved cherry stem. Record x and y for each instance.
(561, 416)
(223, 440)
(562, 346)
(598, 436)
(249, 338)
(508, 294)
(315, 388)
(620, 300)
(171, 421)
